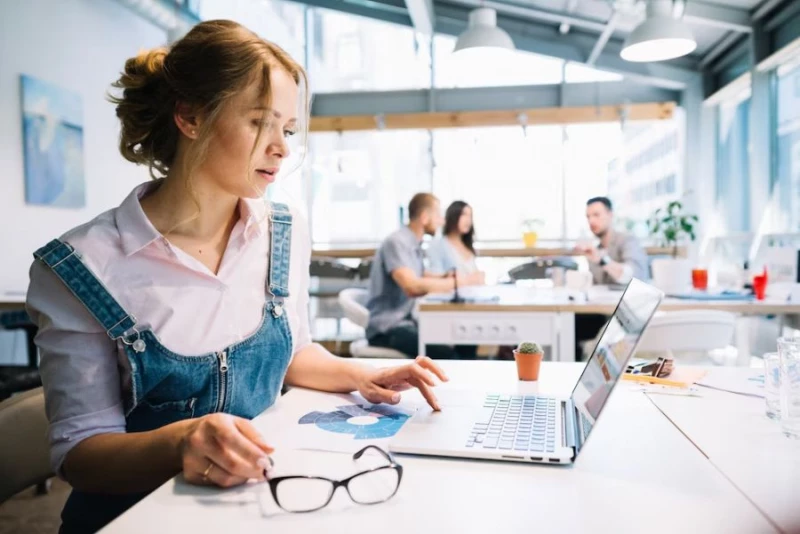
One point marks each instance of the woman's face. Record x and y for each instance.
(228, 161)
(465, 220)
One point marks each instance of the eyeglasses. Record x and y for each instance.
(300, 494)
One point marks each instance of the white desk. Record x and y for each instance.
(746, 446)
(548, 317)
(636, 474)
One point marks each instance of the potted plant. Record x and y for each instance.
(530, 232)
(528, 357)
(672, 227)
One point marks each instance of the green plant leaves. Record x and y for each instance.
(671, 225)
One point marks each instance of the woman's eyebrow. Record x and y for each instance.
(262, 108)
(276, 114)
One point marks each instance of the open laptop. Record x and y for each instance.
(533, 428)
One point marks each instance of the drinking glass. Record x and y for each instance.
(789, 351)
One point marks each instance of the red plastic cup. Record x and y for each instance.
(700, 279)
(760, 286)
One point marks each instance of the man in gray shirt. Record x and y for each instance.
(618, 258)
(398, 277)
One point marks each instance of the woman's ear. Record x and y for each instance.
(187, 120)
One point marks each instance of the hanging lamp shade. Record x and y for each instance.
(659, 37)
(482, 32)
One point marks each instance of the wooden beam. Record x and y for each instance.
(467, 119)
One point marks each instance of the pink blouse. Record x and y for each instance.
(192, 310)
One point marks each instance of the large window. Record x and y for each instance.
(787, 150)
(352, 53)
(361, 182)
(733, 162)
(647, 172)
(586, 152)
(280, 21)
(506, 175)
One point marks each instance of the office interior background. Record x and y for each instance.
(730, 152)
(729, 149)
(568, 119)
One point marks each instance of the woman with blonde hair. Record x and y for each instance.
(167, 323)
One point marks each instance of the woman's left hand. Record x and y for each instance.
(385, 384)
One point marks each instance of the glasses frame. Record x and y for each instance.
(336, 484)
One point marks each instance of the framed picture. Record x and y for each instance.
(52, 133)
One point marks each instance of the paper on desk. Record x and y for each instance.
(730, 380)
(687, 374)
(341, 423)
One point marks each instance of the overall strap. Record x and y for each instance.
(280, 223)
(66, 263)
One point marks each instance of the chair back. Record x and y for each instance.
(541, 268)
(688, 330)
(24, 449)
(354, 303)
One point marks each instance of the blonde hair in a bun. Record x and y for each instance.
(149, 135)
(205, 69)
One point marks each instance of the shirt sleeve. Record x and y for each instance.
(78, 366)
(635, 259)
(397, 254)
(436, 260)
(300, 264)
(627, 274)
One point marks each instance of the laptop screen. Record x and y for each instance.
(616, 345)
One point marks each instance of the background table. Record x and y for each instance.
(548, 316)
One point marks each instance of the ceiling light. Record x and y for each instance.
(482, 32)
(659, 36)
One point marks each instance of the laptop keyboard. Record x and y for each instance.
(516, 422)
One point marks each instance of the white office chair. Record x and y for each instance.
(688, 331)
(353, 301)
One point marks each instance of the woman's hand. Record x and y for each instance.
(384, 385)
(223, 450)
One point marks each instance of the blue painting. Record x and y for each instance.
(52, 129)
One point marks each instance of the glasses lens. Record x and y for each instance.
(374, 486)
(303, 494)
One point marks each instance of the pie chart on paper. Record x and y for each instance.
(363, 421)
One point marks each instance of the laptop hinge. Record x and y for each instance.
(568, 424)
(578, 428)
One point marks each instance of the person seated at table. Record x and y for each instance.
(398, 277)
(616, 259)
(454, 250)
(618, 256)
(169, 322)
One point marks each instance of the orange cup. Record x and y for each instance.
(700, 279)
(528, 365)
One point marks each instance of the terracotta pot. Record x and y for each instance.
(528, 365)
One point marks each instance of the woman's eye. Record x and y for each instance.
(288, 133)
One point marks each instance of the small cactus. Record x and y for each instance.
(529, 348)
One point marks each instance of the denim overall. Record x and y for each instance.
(244, 379)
